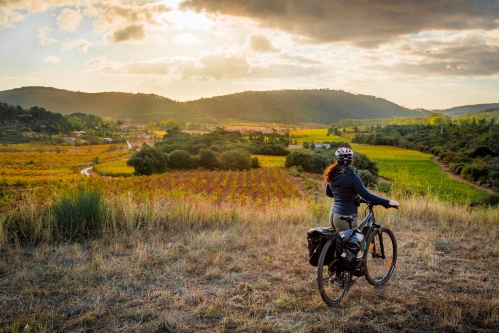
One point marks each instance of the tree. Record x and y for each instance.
(148, 161)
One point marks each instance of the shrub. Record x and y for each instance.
(492, 199)
(367, 178)
(298, 158)
(269, 149)
(235, 160)
(78, 215)
(384, 187)
(148, 161)
(180, 159)
(208, 159)
(255, 163)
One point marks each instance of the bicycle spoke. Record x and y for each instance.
(381, 256)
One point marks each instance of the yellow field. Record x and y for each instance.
(317, 135)
(270, 161)
(115, 168)
(38, 165)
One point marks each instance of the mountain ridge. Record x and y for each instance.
(322, 106)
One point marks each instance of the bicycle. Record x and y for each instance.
(377, 265)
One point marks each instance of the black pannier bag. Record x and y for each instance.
(316, 238)
(349, 247)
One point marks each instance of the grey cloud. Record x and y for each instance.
(461, 57)
(365, 23)
(130, 23)
(132, 32)
(261, 43)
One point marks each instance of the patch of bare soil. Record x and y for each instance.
(446, 169)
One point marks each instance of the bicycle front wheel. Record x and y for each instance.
(380, 256)
(331, 287)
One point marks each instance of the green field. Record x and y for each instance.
(317, 135)
(414, 172)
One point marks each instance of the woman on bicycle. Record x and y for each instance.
(343, 184)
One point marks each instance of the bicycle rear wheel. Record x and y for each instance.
(380, 256)
(331, 287)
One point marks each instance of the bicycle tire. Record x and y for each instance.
(378, 270)
(332, 290)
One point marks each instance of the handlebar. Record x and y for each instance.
(362, 200)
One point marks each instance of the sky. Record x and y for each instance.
(431, 54)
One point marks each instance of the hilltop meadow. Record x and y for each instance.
(226, 251)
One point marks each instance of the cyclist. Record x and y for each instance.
(343, 184)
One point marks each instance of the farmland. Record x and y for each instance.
(415, 172)
(37, 165)
(208, 251)
(317, 135)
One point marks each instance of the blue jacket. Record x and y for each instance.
(344, 187)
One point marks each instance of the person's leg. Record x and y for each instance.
(331, 214)
(342, 225)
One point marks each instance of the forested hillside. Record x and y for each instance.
(286, 106)
(460, 110)
(18, 125)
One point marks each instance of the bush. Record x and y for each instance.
(235, 160)
(317, 163)
(298, 158)
(148, 161)
(492, 199)
(367, 178)
(255, 163)
(78, 215)
(269, 149)
(180, 159)
(208, 159)
(384, 187)
(362, 162)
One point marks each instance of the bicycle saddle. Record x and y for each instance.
(348, 218)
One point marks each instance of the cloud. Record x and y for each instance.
(131, 23)
(96, 61)
(13, 11)
(206, 67)
(261, 43)
(80, 43)
(52, 59)
(364, 23)
(186, 39)
(44, 38)
(69, 19)
(300, 59)
(471, 53)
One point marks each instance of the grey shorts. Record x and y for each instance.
(340, 225)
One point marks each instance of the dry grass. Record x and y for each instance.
(244, 269)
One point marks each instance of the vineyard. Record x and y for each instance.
(239, 186)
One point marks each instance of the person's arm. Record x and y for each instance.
(366, 195)
(329, 192)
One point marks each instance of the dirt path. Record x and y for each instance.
(446, 169)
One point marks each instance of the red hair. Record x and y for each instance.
(329, 172)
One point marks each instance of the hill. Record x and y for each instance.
(284, 106)
(460, 110)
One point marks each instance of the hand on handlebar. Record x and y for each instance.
(393, 204)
